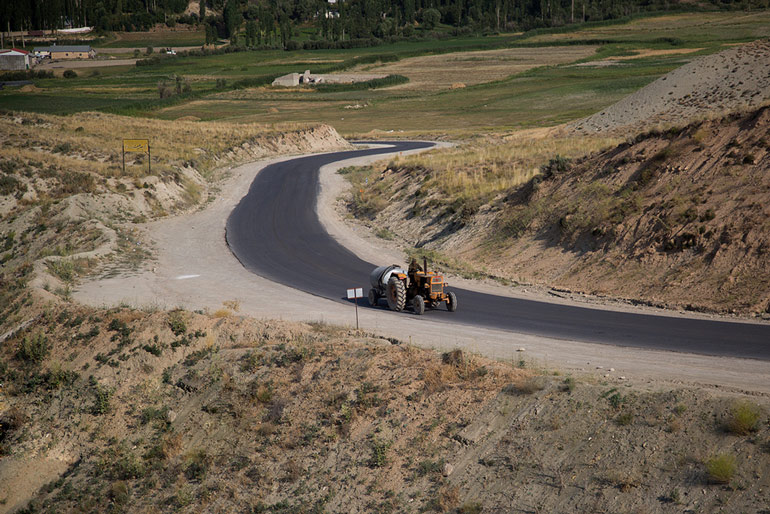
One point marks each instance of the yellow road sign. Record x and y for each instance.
(136, 145)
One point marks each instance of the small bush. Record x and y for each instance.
(528, 385)
(568, 385)
(379, 453)
(429, 466)
(33, 349)
(744, 418)
(102, 397)
(721, 468)
(119, 492)
(10, 185)
(624, 419)
(154, 413)
(73, 182)
(470, 508)
(197, 465)
(70, 74)
(177, 323)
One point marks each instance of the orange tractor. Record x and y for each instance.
(417, 287)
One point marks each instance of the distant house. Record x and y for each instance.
(14, 59)
(65, 51)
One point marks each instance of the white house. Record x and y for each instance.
(14, 59)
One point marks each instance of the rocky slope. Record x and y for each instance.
(128, 411)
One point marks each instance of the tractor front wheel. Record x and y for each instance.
(418, 304)
(396, 294)
(374, 297)
(451, 302)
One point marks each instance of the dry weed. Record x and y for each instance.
(448, 498)
(233, 305)
(487, 167)
(437, 377)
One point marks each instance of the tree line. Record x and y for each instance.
(264, 22)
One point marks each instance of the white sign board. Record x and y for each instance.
(355, 293)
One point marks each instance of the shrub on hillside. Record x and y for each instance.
(33, 348)
(744, 418)
(721, 468)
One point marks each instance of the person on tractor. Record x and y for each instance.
(414, 267)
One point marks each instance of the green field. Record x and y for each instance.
(643, 49)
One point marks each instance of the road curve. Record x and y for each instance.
(275, 232)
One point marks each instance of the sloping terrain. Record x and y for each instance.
(737, 78)
(69, 207)
(127, 411)
(676, 218)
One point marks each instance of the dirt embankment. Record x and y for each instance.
(737, 78)
(136, 411)
(677, 219)
(69, 206)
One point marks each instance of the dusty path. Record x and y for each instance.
(195, 270)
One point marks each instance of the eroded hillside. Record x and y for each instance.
(127, 411)
(69, 206)
(677, 218)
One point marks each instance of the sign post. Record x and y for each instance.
(138, 146)
(355, 294)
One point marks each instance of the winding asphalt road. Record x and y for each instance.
(275, 232)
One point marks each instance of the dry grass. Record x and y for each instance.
(91, 142)
(721, 468)
(744, 418)
(435, 72)
(488, 166)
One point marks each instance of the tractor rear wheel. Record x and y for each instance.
(418, 304)
(374, 297)
(451, 302)
(396, 294)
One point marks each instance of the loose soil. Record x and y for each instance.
(137, 411)
(737, 78)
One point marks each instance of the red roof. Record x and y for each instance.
(14, 50)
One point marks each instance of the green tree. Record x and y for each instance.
(430, 18)
(202, 10)
(233, 18)
(251, 33)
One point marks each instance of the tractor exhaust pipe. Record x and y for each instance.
(425, 264)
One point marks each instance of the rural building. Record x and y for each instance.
(65, 51)
(14, 59)
(296, 79)
(292, 79)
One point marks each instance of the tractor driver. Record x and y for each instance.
(414, 267)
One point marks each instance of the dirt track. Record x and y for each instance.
(195, 270)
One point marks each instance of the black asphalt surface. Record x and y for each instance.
(275, 232)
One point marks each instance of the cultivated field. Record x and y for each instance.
(437, 72)
(499, 95)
